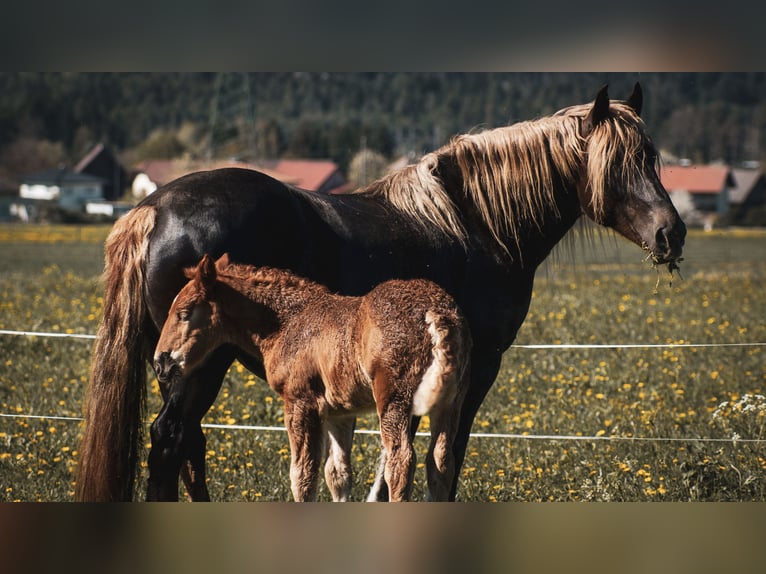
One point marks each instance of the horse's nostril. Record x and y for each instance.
(163, 364)
(661, 238)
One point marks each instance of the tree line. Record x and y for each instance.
(58, 116)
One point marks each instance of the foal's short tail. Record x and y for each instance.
(115, 399)
(446, 379)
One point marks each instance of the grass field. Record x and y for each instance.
(649, 409)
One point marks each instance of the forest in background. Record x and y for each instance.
(49, 119)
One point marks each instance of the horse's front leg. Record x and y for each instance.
(484, 370)
(166, 454)
(337, 469)
(202, 387)
(193, 469)
(178, 443)
(305, 430)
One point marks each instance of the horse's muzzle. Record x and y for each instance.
(165, 367)
(669, 242)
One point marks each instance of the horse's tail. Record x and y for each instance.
(115, 399)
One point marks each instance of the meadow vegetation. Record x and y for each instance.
(637, 424)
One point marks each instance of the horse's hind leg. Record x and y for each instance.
(337, 469)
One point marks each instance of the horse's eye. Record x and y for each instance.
(184, 316)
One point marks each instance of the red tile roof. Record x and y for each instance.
(306, 173)
(696, 178)
(161, 171)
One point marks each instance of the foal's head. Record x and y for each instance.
(621, 187)
(194, 325)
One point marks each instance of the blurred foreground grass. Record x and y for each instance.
(660, 403)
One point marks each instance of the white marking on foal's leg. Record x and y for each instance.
(380, 479)
(338, 466)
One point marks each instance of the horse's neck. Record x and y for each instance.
(538, 241)
(534, 240)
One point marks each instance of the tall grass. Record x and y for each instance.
(650, 410)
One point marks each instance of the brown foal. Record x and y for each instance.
(402, 349)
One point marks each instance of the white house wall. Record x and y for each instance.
(39, 191)
(72, 197)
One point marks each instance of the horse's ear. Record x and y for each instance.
(598, 112)
(636, 99)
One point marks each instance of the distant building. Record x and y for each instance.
(150, 174)
(89, 188)
(101, 162)
(699, 192)
(322, 176)
(748, 197)
(67, 189)
(9, 193)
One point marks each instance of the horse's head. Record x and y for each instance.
(192, 329)
(621, 188)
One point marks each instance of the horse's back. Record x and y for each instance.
(248, 214)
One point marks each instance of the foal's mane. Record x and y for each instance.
(510, 173)
(249, 279)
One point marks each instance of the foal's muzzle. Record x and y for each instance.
(165, 367)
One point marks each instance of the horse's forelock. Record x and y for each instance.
(615, 154)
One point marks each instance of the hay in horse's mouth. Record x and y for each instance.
(657, 262)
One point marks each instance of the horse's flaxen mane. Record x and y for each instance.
(509, 173)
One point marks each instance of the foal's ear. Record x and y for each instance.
(598, 112)
(206, 272)
(636, 99)
(223, 262)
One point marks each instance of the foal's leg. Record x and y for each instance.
(440, 461)
(400, 455)
(379, 489)
(337, 469)
(305, 430)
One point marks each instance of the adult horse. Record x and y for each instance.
(476, 216)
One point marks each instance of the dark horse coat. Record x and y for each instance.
(477, 217)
